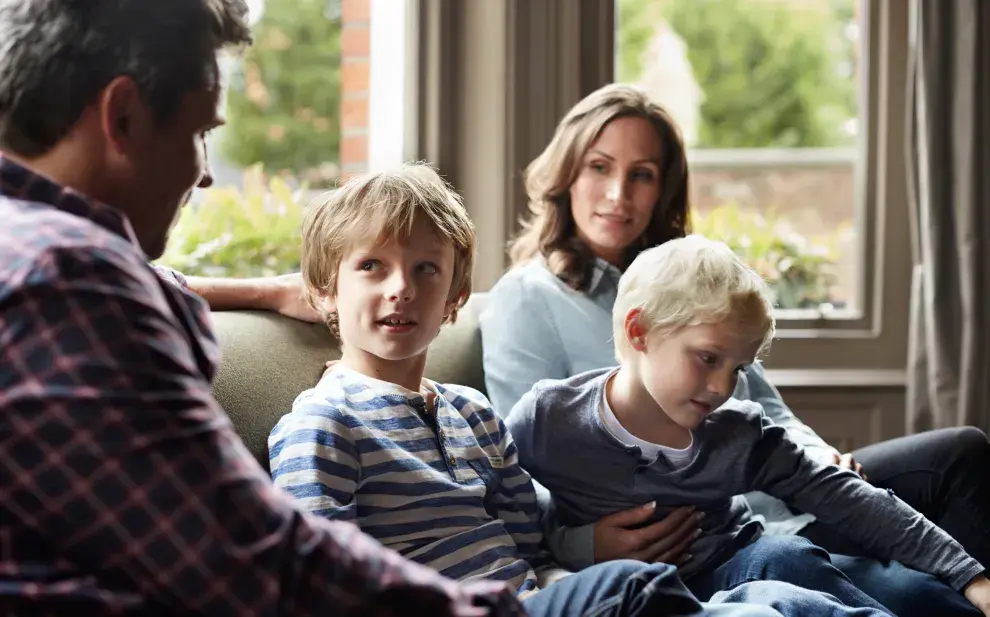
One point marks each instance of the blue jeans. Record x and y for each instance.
(633, 589)
(817, 587)
(905, 592)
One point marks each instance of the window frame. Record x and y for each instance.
(493, 79)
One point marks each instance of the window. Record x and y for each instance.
(768, 96)
(297, 109)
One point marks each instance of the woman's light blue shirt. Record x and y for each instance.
(536, 327)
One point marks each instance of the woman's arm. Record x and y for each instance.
(520, 343)
(757, 388)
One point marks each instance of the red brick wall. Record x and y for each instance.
(355, 57)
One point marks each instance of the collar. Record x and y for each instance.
(603, 274)
(347, 376)
(21, 183)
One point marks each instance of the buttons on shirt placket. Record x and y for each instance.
(433, 421)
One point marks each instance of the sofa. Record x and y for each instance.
(269, 359)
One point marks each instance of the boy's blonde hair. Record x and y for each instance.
(691, 281)
(383, 206)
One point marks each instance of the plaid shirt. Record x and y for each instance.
(123, 487)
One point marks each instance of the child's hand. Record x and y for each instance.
(978, 593)
(617, 536)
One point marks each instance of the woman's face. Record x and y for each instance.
(613, 197)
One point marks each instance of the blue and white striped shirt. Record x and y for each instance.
(444, 489)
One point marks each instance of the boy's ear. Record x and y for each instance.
(328, 304)
(452, 304)
(634, 330)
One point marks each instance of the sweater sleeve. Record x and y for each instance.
(757, 388)
(875, 518)
(572, 547)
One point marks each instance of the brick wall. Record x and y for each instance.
(355, 57)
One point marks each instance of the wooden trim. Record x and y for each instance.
(837, 378)
(494, 78)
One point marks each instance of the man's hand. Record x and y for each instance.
(286, 298)
(846, 461)
(978, 593)
(664, 541)
(282, 294)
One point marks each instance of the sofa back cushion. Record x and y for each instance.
(269, 359)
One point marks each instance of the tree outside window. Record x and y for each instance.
(767, 95)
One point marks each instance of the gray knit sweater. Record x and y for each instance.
(563, 443)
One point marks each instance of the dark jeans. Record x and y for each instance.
(945, 475)
(634, 589)
(819, 589)
(905, 592)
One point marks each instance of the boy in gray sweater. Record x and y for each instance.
(662, 426)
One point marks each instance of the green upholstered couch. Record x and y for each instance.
(269, 359)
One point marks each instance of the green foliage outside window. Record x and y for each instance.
(255, 232)
(770, 80)
(800, 271)
(775, 74)
(239, 233)
(283, 105)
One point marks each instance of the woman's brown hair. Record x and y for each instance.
(550, 229)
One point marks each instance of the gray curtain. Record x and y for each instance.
(949, 170)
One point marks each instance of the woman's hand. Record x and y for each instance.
(978, 593)
(846, 461)
(664, 541)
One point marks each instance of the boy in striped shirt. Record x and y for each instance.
(427, 469)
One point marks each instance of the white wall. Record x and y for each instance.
(387, 91)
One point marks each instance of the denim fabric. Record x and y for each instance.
(634, 589)
(816, 587)
(905, 592)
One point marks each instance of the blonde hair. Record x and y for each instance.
(384, 206)
(550, 229)
(688, 282)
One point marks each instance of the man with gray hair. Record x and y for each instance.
(123, 487)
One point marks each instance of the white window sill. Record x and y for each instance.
(837, 378)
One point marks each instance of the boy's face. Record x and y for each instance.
(693, 371)
(392, 298)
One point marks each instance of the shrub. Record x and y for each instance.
(239, 233)
(255, 232)
(799, 271)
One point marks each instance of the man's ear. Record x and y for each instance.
(634, 329)
(123, 114)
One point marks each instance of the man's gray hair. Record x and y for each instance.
(56, 56)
